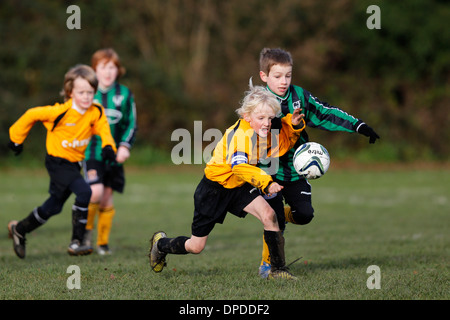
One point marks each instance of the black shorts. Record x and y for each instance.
(112, 176)
(62, 173)
(212, 202)
(297, 195)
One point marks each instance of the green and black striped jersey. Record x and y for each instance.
(120, 109)
(318, 114)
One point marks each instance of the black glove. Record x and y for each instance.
(108, 153)
(17, 148)
(368, 132)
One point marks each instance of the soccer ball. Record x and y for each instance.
(311, 160)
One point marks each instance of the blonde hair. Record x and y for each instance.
(79, 71)
(258, 96)
(270, 57)
(108, 54)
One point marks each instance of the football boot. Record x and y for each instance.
(157, 258)
(104, 250)
(18, 239)
(264, 269)
(77, 249)
(282, 273)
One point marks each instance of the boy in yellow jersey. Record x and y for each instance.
(233, 183)
(70, 126)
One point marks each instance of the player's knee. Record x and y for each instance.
(303, 214)
(47, 212)
(195, 245)
(84, 197)
(303, 219)
(97, 192)
(269, 218)
(51, 207)
(196, 248)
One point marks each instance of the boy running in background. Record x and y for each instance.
(105, 177)
(232, 181)
(276, 71)
(69, 126)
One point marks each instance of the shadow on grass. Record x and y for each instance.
(396, 261)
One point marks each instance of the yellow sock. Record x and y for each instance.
(92, 212)
(105, 219)
(265, 253)
(288, 214)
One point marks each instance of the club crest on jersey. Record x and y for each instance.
(117, 100)
(297, 104)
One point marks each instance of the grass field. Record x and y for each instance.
(396, 219)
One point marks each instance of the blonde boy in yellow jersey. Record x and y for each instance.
(69, 126)
(233, 183)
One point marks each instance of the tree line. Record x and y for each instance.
(191, 60)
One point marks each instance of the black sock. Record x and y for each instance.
(29, 223)
(79, 220)
(275, 244)
(173, 245)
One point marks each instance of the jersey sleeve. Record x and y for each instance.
(253, 175)
(129, 123)
(324, 116)
(287, 138)
(19, 131)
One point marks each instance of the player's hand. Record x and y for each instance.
(123, 153)
(297, 117)
(368, 132)
(16, 147)
(108, 153)
(273, 187)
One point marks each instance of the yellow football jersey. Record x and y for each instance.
(236, 155)
(68, 130)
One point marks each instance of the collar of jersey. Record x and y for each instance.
(280, 97)
(80, 111)
(107, 89)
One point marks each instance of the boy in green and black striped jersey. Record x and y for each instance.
(105, 177)
(276, 72)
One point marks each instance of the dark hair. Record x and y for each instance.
(269, 57)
